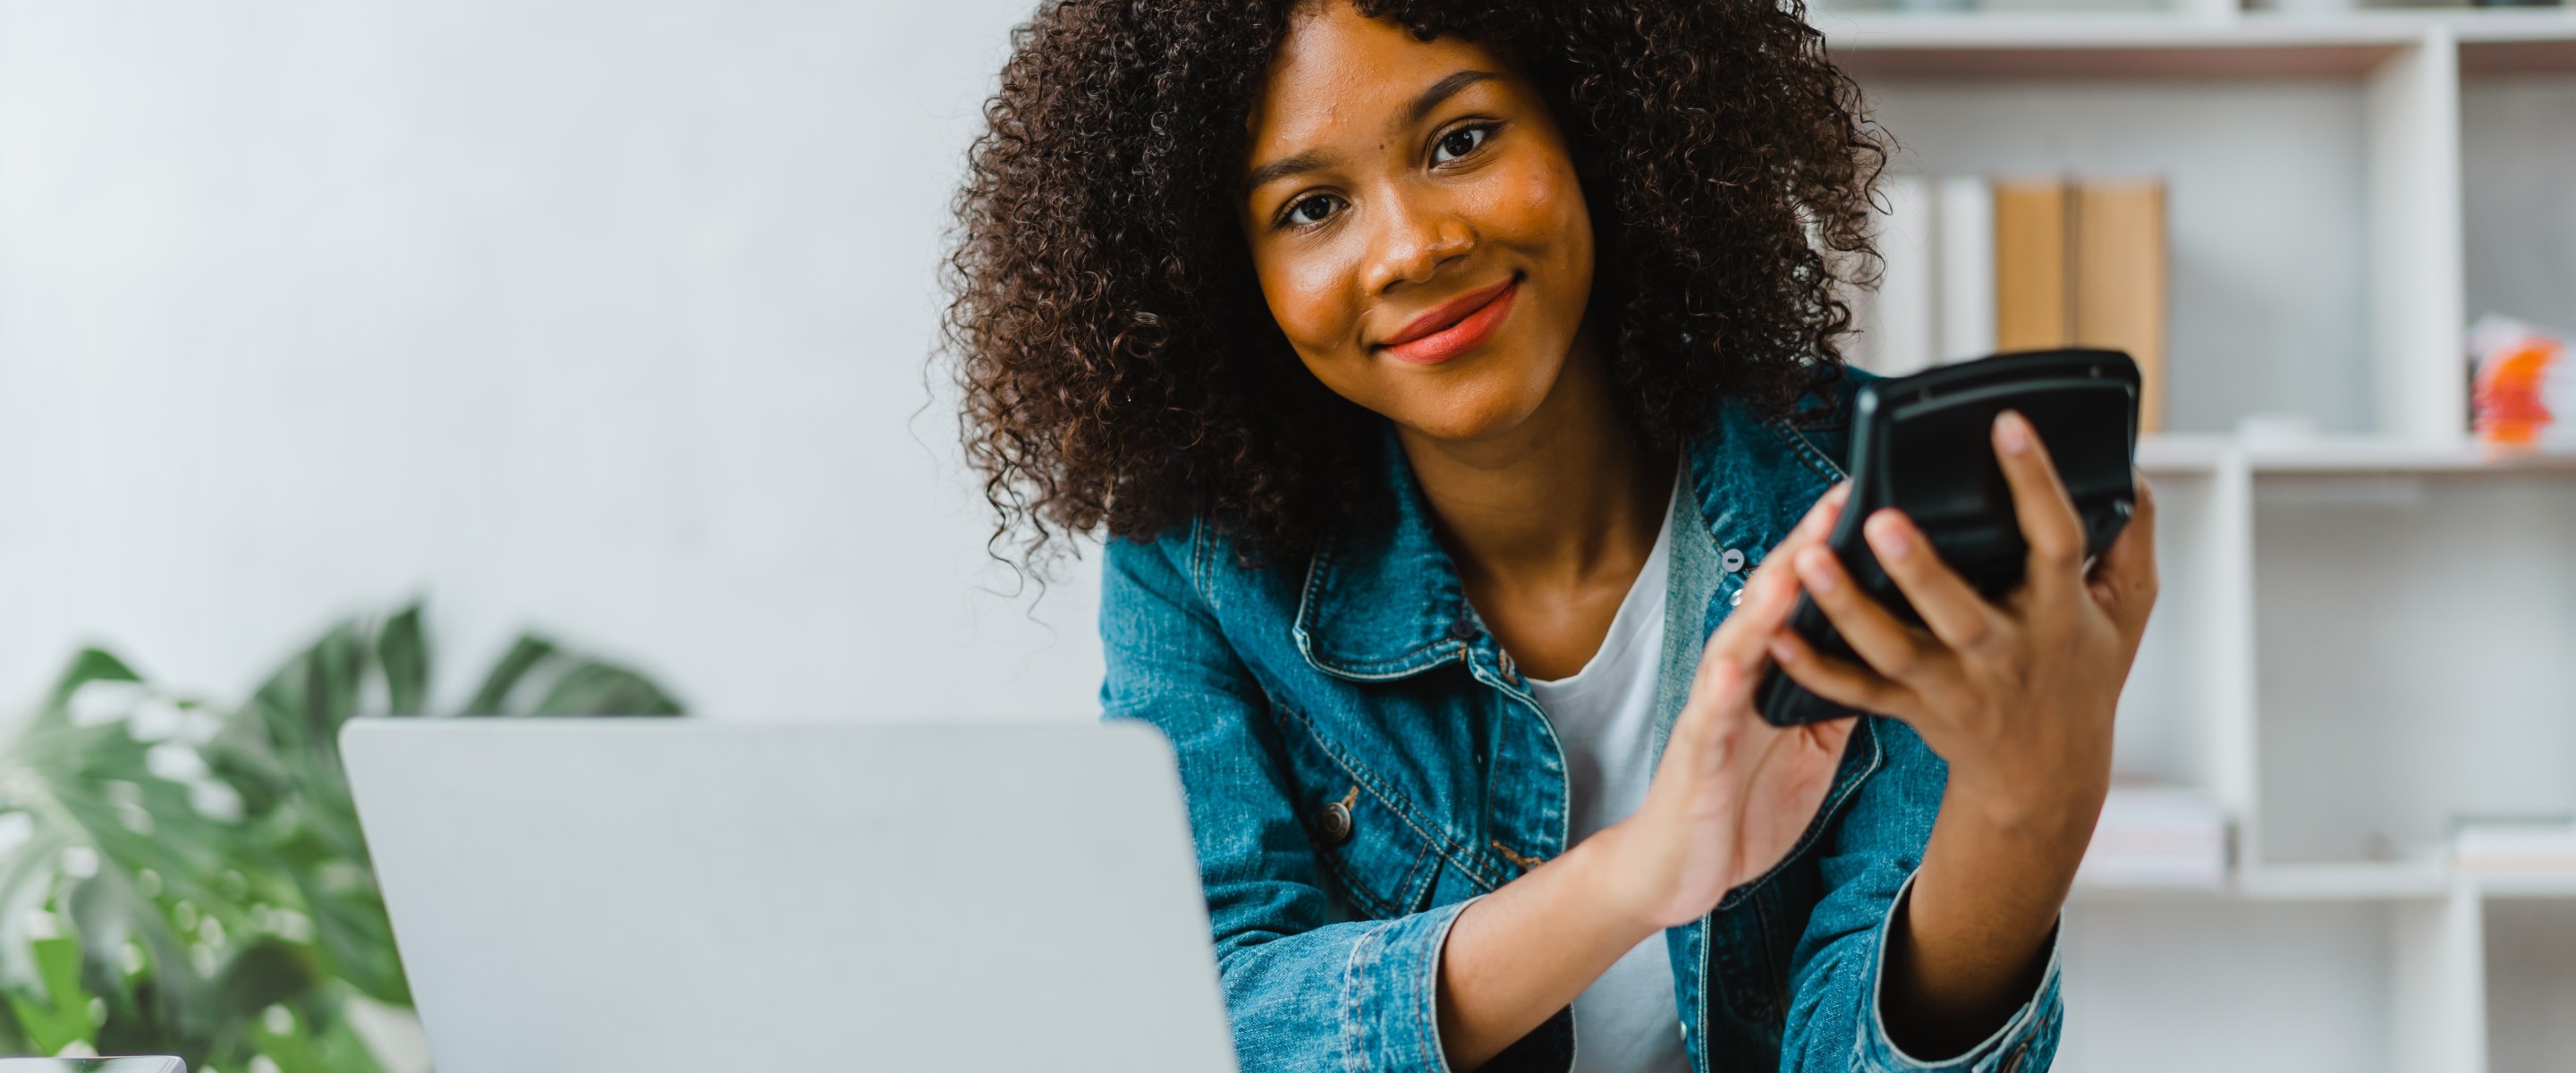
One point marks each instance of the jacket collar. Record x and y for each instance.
(1384, 601)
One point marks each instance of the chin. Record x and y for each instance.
(1469, 409)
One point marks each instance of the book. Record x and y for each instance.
(2157, 836)
(2118, 254)
(2083, 263)
(1967, 261)
(2033, 303)
(1897, 321)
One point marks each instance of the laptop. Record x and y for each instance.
(663, 895)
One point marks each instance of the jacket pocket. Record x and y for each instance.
(1365, 836)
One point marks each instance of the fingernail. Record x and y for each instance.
(1817, 572)
(1887, 537)
(1782, 652)
(2012, 432)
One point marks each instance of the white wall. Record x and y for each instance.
(609, 317)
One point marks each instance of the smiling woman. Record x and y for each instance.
(1436, 371)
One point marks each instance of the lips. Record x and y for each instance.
(1455, 327)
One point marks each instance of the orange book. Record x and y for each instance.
(2033, 303)
(2118, 250)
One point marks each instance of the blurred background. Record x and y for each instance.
(601, 333)
(613, 318)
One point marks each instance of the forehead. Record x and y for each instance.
(1339, 74)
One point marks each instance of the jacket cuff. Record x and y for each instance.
(2026, 1042)
(1391, 992)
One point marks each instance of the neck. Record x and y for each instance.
(1566, 497)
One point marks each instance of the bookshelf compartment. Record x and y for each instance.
(2379, 729)
(2170, 729)
(2530, 947)
(2228, 986)
(2518, 181)
(2268, 227)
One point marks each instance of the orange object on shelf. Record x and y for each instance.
(2524, 384)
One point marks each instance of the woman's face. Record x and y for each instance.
(1416, 223)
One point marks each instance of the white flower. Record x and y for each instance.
(155, 718)
(176, 761)
(15, 829)
(98, 701)
(215, 800)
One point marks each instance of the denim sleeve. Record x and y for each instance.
(1305, 988)
(1835, 1018)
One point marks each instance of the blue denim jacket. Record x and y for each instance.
(1361, 761)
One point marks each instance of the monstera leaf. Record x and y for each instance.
(179, 877)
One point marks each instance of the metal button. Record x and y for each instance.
(1736, 600)
(1463, 630)
(1335, 823)
(1732, 559)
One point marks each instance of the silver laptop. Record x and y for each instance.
(649, 895)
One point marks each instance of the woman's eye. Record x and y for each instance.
(1313, 210)
(1460, 142)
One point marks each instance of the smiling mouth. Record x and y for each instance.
(1456, 327)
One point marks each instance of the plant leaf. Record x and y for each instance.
(524, 656)
(589, 687)
(403, 651)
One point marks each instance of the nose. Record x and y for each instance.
(1414, 242)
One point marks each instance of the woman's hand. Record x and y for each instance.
(1732, 793)
(1729, 799)
(2018, 696)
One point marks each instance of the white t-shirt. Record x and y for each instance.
(1627, 1021)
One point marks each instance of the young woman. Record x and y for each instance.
(1451, 380)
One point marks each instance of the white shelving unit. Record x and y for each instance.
(2365, 634)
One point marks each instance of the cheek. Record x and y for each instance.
(1310, 295)
(1539, 210)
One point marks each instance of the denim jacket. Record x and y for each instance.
(1361, 760)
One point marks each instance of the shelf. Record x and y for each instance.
(2364, 454)
(2355, 881)
(2345, 881)
(2142, 45)
(2189, 453)
(2178, 453)
(2520, 883)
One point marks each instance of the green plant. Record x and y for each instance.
(182, 878)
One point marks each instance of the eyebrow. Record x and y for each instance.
(1440, 91)
(1414, 113)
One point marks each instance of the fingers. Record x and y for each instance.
(1732, 662)
(2124, 580)
(1840, 681)
(1770, 593)
(2048, 519)
(1954, 610)
(1896, 650)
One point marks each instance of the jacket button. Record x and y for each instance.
(1732, 560)
(1335, 822)
(1462, 630)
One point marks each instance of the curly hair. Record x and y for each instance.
(1119, 368)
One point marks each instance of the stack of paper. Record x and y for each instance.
(2157, 836)
(2542, 846)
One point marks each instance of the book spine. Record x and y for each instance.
(2033, 306)
(1905, 308)
(2119, 280)
(1967, 255)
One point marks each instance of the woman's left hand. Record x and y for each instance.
(2017, 696)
